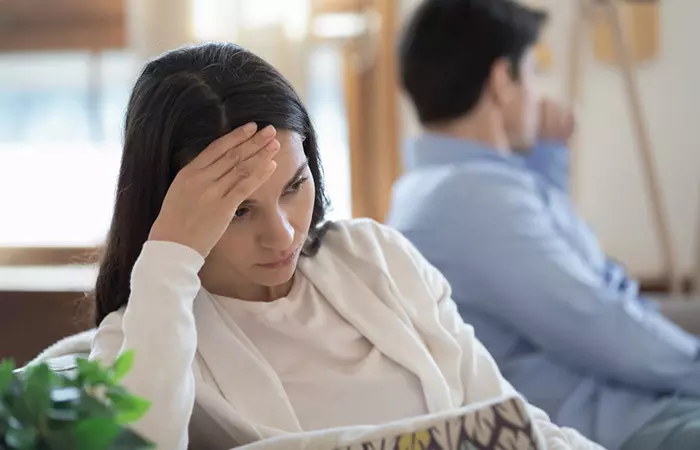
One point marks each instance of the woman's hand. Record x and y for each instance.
(205, 194)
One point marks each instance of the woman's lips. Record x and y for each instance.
(281, 263)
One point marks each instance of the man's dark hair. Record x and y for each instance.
(449, 47)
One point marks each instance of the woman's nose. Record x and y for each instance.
(279, 233)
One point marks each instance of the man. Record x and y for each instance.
(486, 203)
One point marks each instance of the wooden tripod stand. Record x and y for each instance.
(585, 14)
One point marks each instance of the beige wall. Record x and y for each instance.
(610, 185)
(156, 26)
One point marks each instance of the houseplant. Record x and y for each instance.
(88, 410)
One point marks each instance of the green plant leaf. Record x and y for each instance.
(4, 419)
(21, 438)
(37, 392)
(62, 415)
(96, 433)
(7, 375)
(19, 410)
(129, 408)
(62, 379)
(89, 406)
(128, 440)
(90, 373)
(63, 439)
(43, 410)
(138, 409)
(122, 365)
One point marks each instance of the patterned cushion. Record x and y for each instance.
(501, 426)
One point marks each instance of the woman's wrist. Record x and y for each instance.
(163, 234)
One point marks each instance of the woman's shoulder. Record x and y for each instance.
(374, 243)
(113, 319)
(365, 235)
(370, 249)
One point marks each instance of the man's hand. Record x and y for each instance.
(557, 122)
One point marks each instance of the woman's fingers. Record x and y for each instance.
(240, 153)
(260, 140)
(245, 186)
(221, 146)
(243, 179)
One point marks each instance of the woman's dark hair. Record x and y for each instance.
(181, 102)
(449, 47)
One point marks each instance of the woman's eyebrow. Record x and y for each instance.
(297, 174)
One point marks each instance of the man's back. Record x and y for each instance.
(563, 322)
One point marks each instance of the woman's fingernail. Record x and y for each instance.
(274, 145)
(268, 131)
(250, 127)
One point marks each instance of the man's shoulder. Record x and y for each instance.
(468, 181)
(462, 197)
(493, 173)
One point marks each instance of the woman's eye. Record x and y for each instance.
(296, 185)
(240, 212)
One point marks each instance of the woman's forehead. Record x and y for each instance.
(291, 154)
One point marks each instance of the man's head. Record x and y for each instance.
(463, 57)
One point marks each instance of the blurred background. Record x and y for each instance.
(67, 66)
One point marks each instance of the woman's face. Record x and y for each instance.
(261, 247)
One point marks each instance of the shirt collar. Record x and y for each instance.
(431, 149)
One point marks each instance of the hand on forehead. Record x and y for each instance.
(291, 163)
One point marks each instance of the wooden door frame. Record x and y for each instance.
(371, 103)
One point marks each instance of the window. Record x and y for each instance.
(61, 117)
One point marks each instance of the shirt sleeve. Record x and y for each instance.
(158, 325)
(552, 161)
(508, 259)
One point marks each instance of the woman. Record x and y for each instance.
(250, 318)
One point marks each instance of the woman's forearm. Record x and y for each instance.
(158, 325)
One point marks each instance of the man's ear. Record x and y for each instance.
(501, 83)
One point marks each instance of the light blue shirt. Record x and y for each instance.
(566, 326)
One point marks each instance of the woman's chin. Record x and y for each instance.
(274, 276)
